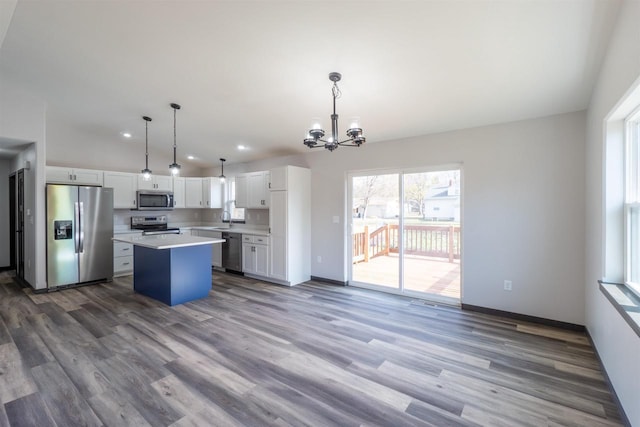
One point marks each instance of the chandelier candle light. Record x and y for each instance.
(174, 167)
(146, 172)
(316, 133)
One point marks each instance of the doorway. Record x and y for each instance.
(405, 234)
(16, 223)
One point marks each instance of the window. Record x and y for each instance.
(632, 201)
(237, 214)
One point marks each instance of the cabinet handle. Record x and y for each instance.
(125, 249)
(125, 263)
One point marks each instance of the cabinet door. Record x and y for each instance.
(193, 192)
(163, 183)
(262, 260)
(88, 177)
(278, 224)
(57, 174)
(124, 188)
(242, 189)
(257, 190)
(278, 179)
(178, 192)
(216, 257)
(144, 184)
(248, 258)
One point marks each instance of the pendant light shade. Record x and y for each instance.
(146, 172)
(222, 177)
(174, 167)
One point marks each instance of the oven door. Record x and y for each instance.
(154, 200)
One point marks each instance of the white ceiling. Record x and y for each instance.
(255, 72)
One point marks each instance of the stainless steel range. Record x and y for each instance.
(155, 224)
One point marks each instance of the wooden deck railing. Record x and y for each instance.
(424, 240)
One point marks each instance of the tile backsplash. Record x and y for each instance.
(190, 217)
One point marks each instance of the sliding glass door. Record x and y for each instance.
(405, 234)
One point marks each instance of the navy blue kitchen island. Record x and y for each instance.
(171, 268)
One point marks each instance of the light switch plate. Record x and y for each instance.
(336, 219)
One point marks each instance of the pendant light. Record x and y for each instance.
(146, 172)
(222, 177)
(174, 167)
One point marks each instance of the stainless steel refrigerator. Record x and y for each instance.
(79, 232)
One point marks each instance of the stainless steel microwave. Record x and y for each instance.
(147, 200)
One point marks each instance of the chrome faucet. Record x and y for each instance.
(230, 219)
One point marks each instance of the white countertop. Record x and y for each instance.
(234, 229)
(167, 241)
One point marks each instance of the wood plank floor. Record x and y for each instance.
(257, 354)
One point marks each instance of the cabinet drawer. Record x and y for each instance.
(122, 264)
(122, 249)
(263, 240)
(251, 238)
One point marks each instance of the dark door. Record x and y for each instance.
(12, 221)
(20, 225)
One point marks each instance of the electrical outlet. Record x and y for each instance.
(319, 259)
(508, 285)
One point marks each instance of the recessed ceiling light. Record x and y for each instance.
(190, 157)
(242, 147)
(126, 134)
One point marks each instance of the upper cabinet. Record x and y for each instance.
(124, 188)
(179, 192)
(193, 192)
(252, 190)
(60, 175)
(278, 178)
(157, 182)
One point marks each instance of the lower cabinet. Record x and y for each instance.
(123, 258)
(255, 255)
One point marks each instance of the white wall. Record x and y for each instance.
(106, 153)
(5, 171)
(22, 117)
(617, 345)
(523, 201)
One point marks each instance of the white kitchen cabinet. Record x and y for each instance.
(124, 188)
(61, 175)
(242, 191)
(278, 179)
(212, 193)
(157, 182)
(123, 257)
(179, 192)
(252, 190)
(193, 192)
(255, 255)
(290, 225)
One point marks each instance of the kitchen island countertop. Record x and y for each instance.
(167, 241)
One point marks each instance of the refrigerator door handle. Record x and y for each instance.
(76, 220)
(81, 227)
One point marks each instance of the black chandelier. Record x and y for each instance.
(316, 133)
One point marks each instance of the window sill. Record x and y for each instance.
(625, 301)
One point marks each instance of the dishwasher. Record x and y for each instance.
(232, 252)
